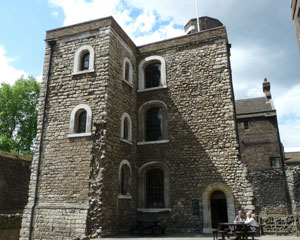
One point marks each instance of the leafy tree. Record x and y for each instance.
(18, 115)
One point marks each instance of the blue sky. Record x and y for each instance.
(261, 32)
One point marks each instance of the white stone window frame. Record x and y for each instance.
(88, 128)
(142, 122)
(129, 82)
(78, 58)
(123, 117)
(142, 201)
(143, 64)
(120, 195)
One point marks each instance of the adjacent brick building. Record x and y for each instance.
(142, 132)
(261, 151)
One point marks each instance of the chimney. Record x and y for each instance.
(267, 89)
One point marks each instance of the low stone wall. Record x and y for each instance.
(10, 225)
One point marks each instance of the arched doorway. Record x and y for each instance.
(218, 205)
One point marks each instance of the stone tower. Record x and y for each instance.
(131, 133)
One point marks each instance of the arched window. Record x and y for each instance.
(80, 121)
(152, 73)
(153, 123)
(127, 71)
(155, 188)
(84, 60)
(126, 128)
(124, 180)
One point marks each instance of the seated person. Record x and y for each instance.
(239, 218)
(250, 220)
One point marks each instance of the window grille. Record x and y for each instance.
(155, 188)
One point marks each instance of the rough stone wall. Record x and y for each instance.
(203, 145)
(14, 182)
(65, 168)
(116, 214)
(258, 143)
(293, 180)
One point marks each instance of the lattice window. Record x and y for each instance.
(155, 188)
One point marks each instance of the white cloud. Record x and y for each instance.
(287, 105)
(9, 74)
(248, 62)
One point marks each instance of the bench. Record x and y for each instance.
(144, 227)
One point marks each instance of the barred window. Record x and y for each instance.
(155, 188)
(154, 124)
(152, 75)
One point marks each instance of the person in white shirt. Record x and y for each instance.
(250, 220)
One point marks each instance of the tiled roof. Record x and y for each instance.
(253, 105)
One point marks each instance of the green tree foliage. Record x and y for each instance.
(18, 115)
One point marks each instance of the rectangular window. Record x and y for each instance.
(275, 161)
(246, 125)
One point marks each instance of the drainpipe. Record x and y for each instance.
(51, 43)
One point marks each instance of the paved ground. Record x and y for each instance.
(195, 237)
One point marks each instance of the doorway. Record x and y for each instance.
(218, 205)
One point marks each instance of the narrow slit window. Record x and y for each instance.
(127, 71)
(126, 129)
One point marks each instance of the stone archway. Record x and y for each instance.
(206, 204)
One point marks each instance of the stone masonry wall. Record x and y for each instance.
(65, 168)
(202, 148)
(116, 214)
(14, 182)
(293, 179)
(258, 143)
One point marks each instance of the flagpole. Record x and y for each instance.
(198, 23)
